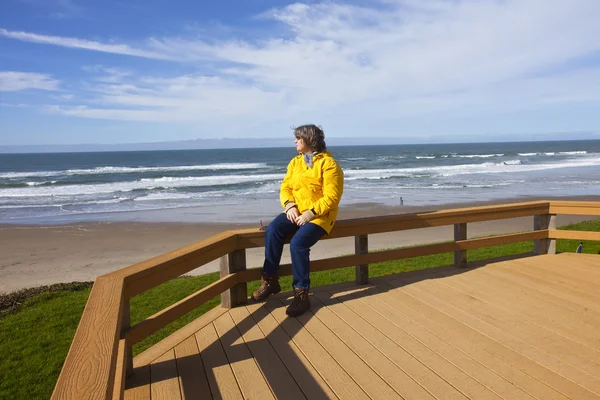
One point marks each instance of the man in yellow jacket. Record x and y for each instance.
(310, 194)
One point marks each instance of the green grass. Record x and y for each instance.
(35, 336)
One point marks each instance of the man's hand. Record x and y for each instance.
(293, 214)
(305, 218)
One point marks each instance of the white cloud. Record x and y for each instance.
(13, 105)
(109, 74)
(63, 97)
(13, 81)
(390, 60)
(84, 44)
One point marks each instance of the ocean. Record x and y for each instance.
(242, 185)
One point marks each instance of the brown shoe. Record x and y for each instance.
(269, 284)
(300, 304)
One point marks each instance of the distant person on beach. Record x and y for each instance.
(310, 193)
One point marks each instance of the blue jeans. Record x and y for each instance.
(304, 238)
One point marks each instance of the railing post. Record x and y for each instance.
(361, 246)
(237, 295)
(541, 222)
(124, 328)
(460, 256)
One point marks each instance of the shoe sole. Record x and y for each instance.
(297, 314)
(266, 297)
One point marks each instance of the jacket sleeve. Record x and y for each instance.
(285, 192)
(333, 187)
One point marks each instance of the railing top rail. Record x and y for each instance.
(390, 223)
(575, 207)
(150, 273)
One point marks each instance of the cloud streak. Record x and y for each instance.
(83, 44)
(11, 81)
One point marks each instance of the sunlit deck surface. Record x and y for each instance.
(526, 328)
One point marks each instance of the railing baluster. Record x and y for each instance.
(124, 327)
(361, 246)
(541, 222)
(460, 256)
(237, 295)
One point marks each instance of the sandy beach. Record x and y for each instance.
(34, 255)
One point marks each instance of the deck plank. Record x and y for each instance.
(540, 295)
(543, 288)
(567, 273)
(192, 378)
(282, 384)
(509, 304)
(336, 377)
(500, 284)
(419, 372)
(584, 263)
(568, 324)
(502, 320)
(335, 315)
(501, 387)
(458, 336)
(218, 372)
(150, 354)
(554, 281)
(310, 382)
(473, 337)
(507, 340)
(138, 385)
(459, 384)
(361, 373)
(249, 378)
(163, 372)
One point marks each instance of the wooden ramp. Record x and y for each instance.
(521, 329)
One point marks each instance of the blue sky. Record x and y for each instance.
(431, 71)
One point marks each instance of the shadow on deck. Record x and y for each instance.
(519, 328)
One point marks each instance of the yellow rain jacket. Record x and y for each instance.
(318, 188)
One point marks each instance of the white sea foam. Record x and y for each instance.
(132, 170)
(147, 184)
(40, 183)
(476, 155)
(465, 169)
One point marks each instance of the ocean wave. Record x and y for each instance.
(439, 186)
(45, 183)
(143, 184)
(132, 170)
(476, 155)
(466, 169)
(557, 153)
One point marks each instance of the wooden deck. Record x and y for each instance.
(527, 328)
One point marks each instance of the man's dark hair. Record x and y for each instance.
(313, 136)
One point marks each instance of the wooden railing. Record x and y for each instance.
(100, 356)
